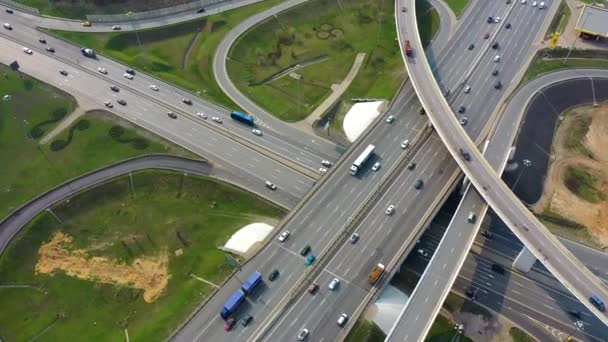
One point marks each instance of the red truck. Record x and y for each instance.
(408, 48)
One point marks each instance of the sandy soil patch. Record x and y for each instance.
(556, 196)
(150, 274)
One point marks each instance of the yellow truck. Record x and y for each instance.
(376, 274)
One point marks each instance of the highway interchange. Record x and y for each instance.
(342, 195)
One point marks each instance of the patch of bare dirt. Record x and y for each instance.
(556, 196)
(148, 273)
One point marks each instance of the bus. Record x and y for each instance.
(242, 117)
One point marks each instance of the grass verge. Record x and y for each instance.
(29, 168)
(583, 184)
(365, 331)
(457, 6)
(443, 330)
(560, 20)
(181, 217)
(548, 60)
(322, 38)
(164, 50)
(576, 133)
(519, 335)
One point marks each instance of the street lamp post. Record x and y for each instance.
(135, 29)
(527, 163)
(575, 39)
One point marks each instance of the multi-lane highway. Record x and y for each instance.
(541, 242)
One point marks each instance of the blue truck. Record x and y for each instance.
(231, 304)
(251, 282)
(242, 117)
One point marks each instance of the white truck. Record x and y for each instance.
(361, 159)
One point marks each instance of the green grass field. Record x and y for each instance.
(29, 168)
(583, 184)
(167, 211)
(365, 331)
(322, 37)
(457, 6)
(519, 335)
(163, 49)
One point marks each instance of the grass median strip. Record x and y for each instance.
(124, 257)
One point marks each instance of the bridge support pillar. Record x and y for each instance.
(524, 261)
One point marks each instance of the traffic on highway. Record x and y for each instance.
(358, 212)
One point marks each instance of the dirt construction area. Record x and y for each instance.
(148, 273)
(580, 143)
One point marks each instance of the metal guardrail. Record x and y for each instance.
(191, 6)
(20, 7)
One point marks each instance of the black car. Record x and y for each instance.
(471, 47)
(419, 184)
(487, 234)
(498, 269)
(9, 11)
(63, 72)
(495, 45)
(273, 275)
(115, 88)
(470, 292)
(245, 321)
(497, 85)
(121, 102)
(574, 313)
(201, 10)
(422, 111)
(187, 101)
(490, 20)
(411, 166)
(466, 156)
(42, 40)
(130, 71)
(304, 250)
(172, 115)
(461, 109)
(50, 49)
(508, 26)
(495, 72)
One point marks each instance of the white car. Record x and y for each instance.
(534, 4)
(303, 334)
(376, 166)
(257, 132)
(8, 26)
(342, 319)
(497, 19)
(27, 50)
(128, 76)
(116, 27)
(284, 236)
(463, 121)
(405, 143)
(423, 252)
(153, 87)
(322, 170)
(389, 210)
(108, 104)
(541, 5)
(102, 70)
(202, 115)
(390, 119)
(467, 89)
(326, 163)
(496, 58)
(216, 119)
(334, 284)
(523, 2)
